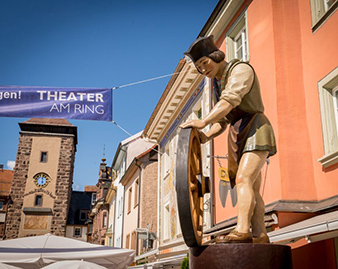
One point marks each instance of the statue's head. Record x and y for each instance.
(205, 56)
(204, 46)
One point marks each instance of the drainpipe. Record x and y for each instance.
(139, 203)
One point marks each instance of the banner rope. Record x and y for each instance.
(145, 80)
(132, 84)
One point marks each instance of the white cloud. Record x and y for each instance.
(10, 165)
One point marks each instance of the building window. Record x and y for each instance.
(166, 221)
(38, 200)
(130, 191)
(237, 40)
(43, 157)
(166, 160)
(77, 231)
(83, 215)
(1, 205)
(104, 219)
(127, 240)
(133, 240)
(321, 10)
(136, 193)
(93, 198)
(328, 90)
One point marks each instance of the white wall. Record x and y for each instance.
(70, 232)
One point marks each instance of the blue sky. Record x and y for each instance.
(95, 43)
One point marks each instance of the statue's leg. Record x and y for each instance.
(257, 220)
(249, 169)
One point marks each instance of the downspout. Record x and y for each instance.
(139, 203)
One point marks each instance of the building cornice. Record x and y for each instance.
(179, 89)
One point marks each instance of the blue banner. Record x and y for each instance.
(51, 102)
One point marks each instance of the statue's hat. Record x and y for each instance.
(202, 46)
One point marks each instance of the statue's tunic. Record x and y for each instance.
(250, 129)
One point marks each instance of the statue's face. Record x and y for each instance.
(207, 67)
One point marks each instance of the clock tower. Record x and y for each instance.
(43, 178)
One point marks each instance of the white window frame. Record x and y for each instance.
(77, 228)
(326, 87)
(166, 160)
(238, 30)
(93, 198)
(335, 104)
(321, 11)
(166, 221)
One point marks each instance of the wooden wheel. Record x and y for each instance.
(190, 186)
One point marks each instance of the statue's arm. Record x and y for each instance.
(218, 112)
(215, 130)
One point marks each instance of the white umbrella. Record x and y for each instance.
(38, 251)
(6, 266)
(74, 265)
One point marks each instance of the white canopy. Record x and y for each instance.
(74, 264)
(38, 251)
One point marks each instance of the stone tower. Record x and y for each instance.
(43, 178)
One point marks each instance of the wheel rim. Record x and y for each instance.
(188, 187)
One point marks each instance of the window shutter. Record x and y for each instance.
(317, 10)
(230, 48)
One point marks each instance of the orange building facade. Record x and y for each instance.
(293, 47)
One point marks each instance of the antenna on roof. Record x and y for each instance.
(104, 150)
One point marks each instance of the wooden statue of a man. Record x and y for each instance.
(251, 139)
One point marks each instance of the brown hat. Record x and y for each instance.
(202, 46)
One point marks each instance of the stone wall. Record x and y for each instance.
(149, 197)
(13, 218)
(63, 186)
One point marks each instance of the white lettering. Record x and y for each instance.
(9, 95)
(77, 108)
(62, 96)
(55, 96)
(99, 109)
(81, 95)
(89, 109)
(90, 97)
(41, 94)
(99, 97)
(54, 106)
(72, 97)
(62, 106)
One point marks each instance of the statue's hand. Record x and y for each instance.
(198, 124)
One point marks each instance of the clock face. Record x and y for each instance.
(41, 180)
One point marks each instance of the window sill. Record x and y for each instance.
(329, 159)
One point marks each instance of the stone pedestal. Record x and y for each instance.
(240, 256)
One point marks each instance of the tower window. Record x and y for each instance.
(43, 157)
(38, 200)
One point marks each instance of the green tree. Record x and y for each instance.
(185, 262)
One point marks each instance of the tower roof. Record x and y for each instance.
(49, 126)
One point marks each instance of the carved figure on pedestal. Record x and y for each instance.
(251, 139)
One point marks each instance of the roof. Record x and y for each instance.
(79, 200)
(48, 121)
(311, 229)
(165, 93)
(121, 146)
(49, 126)
(90, 188)
(6, 178)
